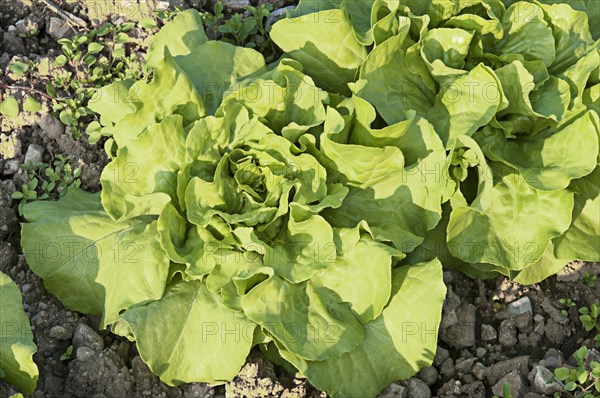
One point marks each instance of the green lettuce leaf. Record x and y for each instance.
(16, 339)
(514, 231)
(182, 35)
(396, 344)
(91, 263)
(324, 43)
(186, 322)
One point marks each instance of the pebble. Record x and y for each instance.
(140, 370)
(523, 322)
(507, 336)
(58, 28)
(417, 389)
(554, 331)
(488, 332)
(462, 333)
(553, 312)
(84, 353)
(429, 375)
(499, 369)
(464, 367)
(553, 359)
(516, 384)
(480, 352)
(473, 390)
(544, 381)
(51, 126)
(441, 355)
(59, 332)
(521, 306)
(11, 167)
(236, 5)
(395, 390)
(85, 336)
(35, 153)
(447, 369)
(479, 371)
(13, 43)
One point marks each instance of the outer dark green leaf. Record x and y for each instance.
(16, 339)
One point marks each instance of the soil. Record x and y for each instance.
(491, 331)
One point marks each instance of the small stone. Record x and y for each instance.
(12, 43)
(417, 389)
(85, 336)
(473, 390)
(464, 367)
(429, 375)
(507, 336)
(480, 352)
(461, 334)
(84, 353)
(537, 318)
(140, 370)
(51, 126)
(58, 29)
(488, 333)
(26, 287)
(236, 5)
(544, 381)
(202, 390)
(11, 167)
(448, 388)
(499, 369)
(523, 322)
(8, 255)
(59, 332)
(516, 384)
(554, 332)
(520, 306)
(447, 369)
(553, 312)
(35, 153)
(395, 390)
(441, 355)
(553, 359)
(479, 371)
